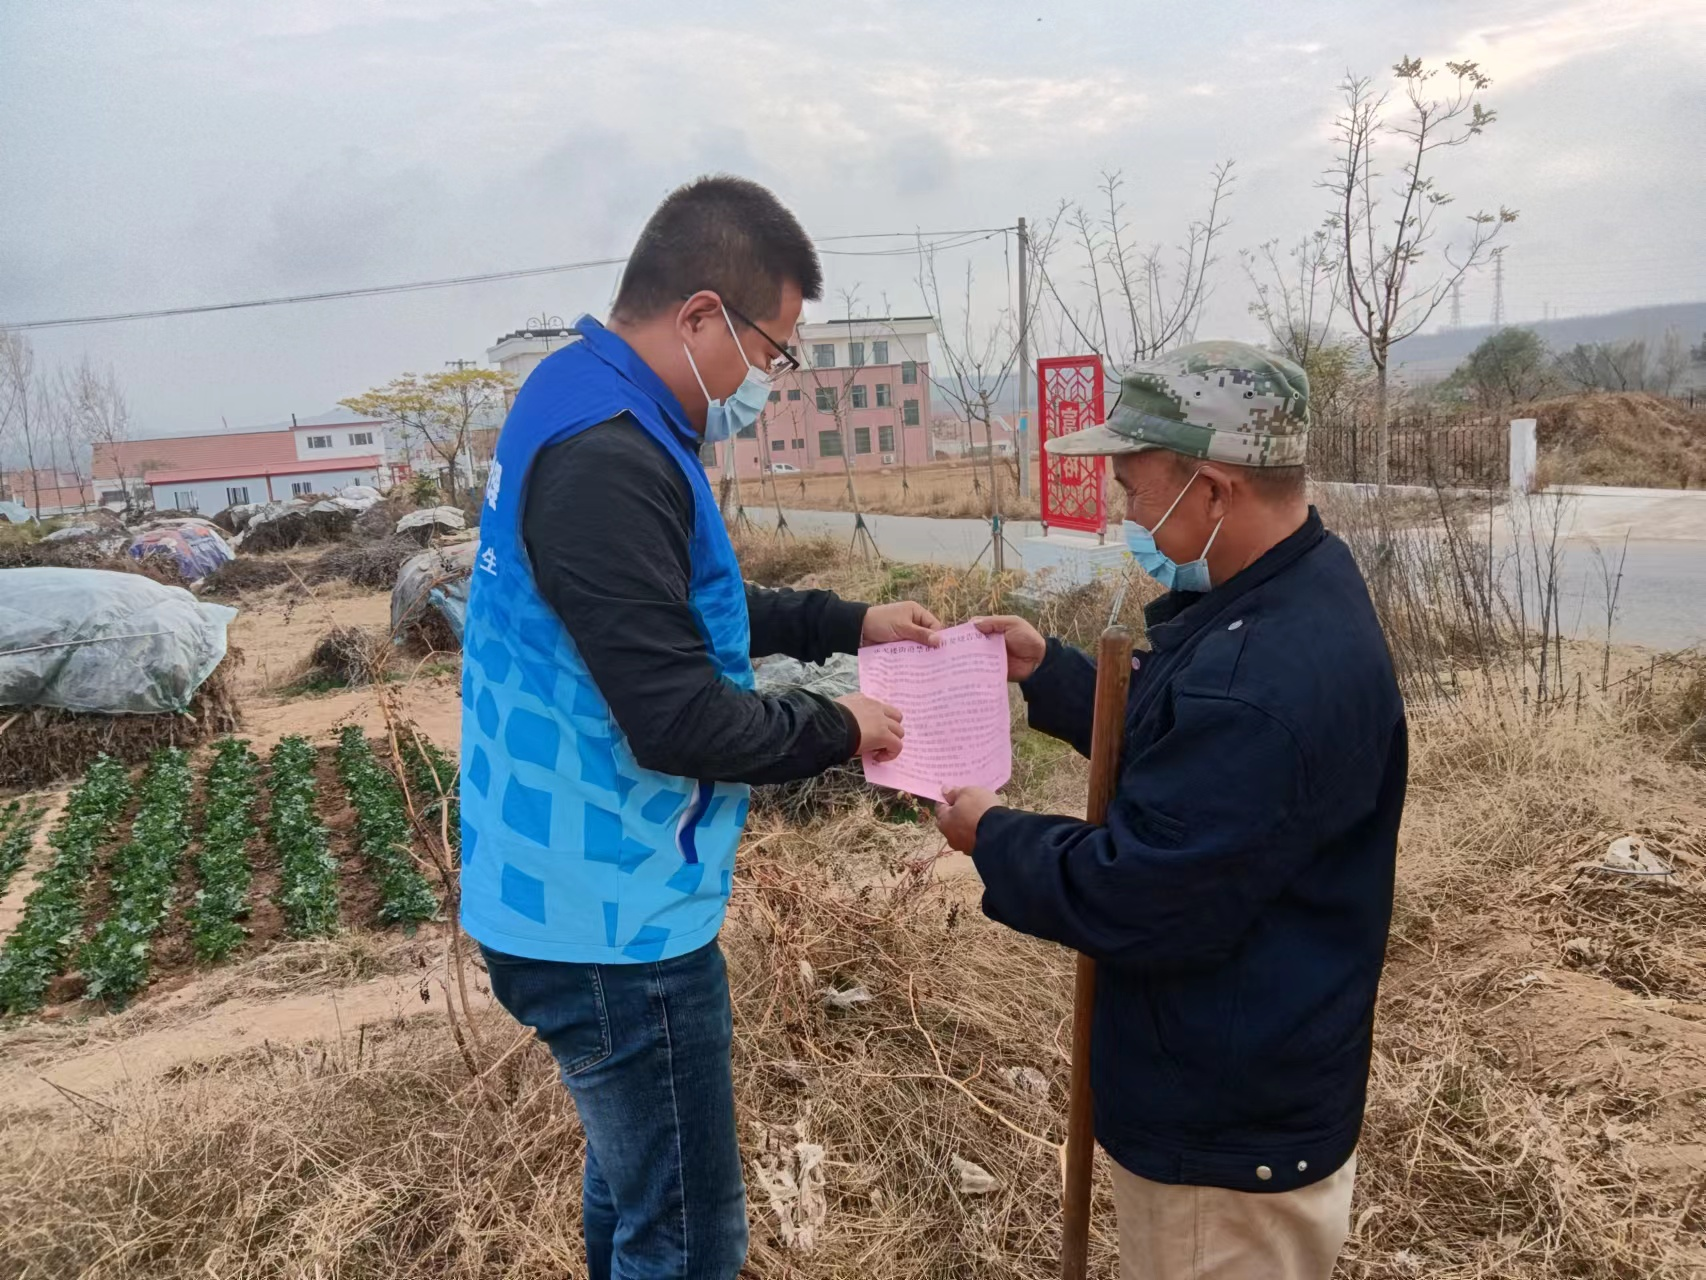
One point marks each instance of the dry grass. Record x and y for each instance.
(380, 1155)
(1622, 438)
(937, 489)
(346, 657)
(370, 564)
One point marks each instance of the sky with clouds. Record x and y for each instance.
(186, 151)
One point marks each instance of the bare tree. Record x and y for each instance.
(1673, 360)
(1607, 366)
(21, 406)
(1389, 291)
(978, 368)
(1296, 297)
(101, 414)
(1154, 299)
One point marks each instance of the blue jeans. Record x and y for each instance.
(644, 1051)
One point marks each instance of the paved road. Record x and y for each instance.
(1661, 604)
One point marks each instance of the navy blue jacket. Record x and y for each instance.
(1238, 898)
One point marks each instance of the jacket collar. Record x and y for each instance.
(1179, 615)
(616, 353)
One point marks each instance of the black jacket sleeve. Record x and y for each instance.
(805, 625)
(607, 523)
(1207, 826)
(1060, 696)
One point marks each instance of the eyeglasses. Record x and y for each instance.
(783, 361)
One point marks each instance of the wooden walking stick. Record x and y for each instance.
(1113, 678)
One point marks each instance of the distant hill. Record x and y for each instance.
(1429, 354)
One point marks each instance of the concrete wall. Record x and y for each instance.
(210, 496)
(205, 497)
(341, 446)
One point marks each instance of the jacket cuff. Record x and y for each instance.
(852, 723)
(843, 623)
(1039, 680)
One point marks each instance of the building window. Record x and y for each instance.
(909, 372)
(909, 412)
(775, 397)
(184, 500)
(829, 444)
(749, 432)
(826, 399)
(879, 353)
(361, 437)
(859, 397)
(823, 355)
(301, 488)
(792, 350)
(799, 444)
(236, 494)
(778, 446)
(856, 354)
(861, 439)
(885, 439)
(319, 442)
(883, 395)
(793, 393)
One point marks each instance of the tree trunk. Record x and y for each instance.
(1382, 431)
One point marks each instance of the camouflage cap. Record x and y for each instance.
(1223, 401)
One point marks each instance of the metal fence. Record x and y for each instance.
(1448, 452)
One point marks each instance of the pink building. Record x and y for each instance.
(862, 393)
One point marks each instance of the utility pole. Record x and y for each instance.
(1024, 441)
(1457, 304)
(1499, 285)
(460, 365)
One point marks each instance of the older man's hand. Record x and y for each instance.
(958, 818)
(1026, 647)
(903, 620)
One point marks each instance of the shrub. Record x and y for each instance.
(115, 960)
(382, 830)
(308, 874)
(223, 863)
(53, 914)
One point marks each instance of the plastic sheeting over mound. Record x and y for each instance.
(195, 546)
(92, 640)
(436, 579)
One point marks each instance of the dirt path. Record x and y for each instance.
(12, 903)
(198, 1024)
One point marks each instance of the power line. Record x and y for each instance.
(948, 240)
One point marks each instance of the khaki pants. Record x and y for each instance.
(1209, 1233)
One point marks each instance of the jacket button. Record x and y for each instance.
(1303, 1166)
(1263, 1172)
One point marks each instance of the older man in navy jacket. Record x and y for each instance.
(1239, 895)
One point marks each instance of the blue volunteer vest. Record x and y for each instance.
(570, 849)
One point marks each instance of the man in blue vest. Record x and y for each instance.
(610, 725)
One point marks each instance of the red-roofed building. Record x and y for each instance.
(207, 473)
(47, 493)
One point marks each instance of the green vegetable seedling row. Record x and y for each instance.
(308, 873)
(222, 865)
(115, 960)
(383, 832)
(52, 921)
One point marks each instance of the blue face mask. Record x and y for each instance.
(724, 418)
(1158, 564)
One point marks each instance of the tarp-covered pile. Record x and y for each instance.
(94, 661)
(194, 546)
(431, 596)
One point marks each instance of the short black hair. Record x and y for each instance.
(1271, 484)
(722, 233)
